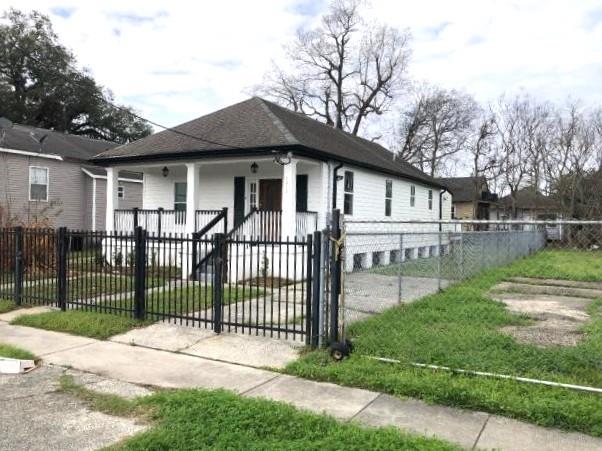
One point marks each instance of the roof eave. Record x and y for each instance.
(257, 151)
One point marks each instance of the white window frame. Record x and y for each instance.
(412, 195)
(47, 183)
(349, 193)
(389, 197)
(121, 192)
(250, 201)
(430, 199)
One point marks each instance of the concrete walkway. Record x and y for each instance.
(151, 367)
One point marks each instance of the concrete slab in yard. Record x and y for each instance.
(9, 316)
(40, 342)
(42, 421)
(165, 369)
(557, 282)
(36, 382)
(321, 397)
(512, 435)
(169, 337)
(454, 425)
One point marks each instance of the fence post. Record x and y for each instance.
(225, 213)
(135, 218)
(439, 243)
(195, 256)
(62, 247)
(218, 289)
(400, 260)
(316, 287)
(335, 278)
(18, 289)
(159, 213)
(309, 310)
(140, 273)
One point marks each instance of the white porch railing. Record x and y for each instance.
(160, 222)
(266, 225)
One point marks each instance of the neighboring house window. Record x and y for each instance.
(120, 192)
(348, 201)
(38, 183)
(430, 199)
(179, 203)
(453, 212)
(412, 195)
(252, 195)
(388, 196)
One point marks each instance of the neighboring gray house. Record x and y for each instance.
(47, 174)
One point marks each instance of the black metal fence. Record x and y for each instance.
(247, 285)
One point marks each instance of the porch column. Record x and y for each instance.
(324, 197)
(192, 195)
(112, 198)
(289, 200)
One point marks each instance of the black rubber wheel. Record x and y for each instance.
(338, 351)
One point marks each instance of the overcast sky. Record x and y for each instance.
(176, 60)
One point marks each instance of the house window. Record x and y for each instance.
(38, 183)
(388, 196)
(348, 201)
(252, 195)
(453, 212)
(120, 192)
(179, 203)
(412, 195)
(430, 199)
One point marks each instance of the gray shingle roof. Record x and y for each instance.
(462, 188)
(256, 124)
(24, 137)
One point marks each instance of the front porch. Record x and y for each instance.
(252, 197)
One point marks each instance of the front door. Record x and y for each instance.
(270, 194)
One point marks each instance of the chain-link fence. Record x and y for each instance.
(543, 293)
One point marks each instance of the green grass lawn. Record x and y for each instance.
(182, 300)
(459, 328)
(86, 286)
(13, 352)
(202, 419)
(7, 305)
(88, 324)
(103, 324)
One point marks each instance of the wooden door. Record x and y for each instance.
(270, 194)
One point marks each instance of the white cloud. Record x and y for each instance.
(179, 59)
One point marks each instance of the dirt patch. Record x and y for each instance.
(557, 320)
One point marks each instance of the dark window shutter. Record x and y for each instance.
(239, 200)
(302, 193)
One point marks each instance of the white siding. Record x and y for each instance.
(369, 197)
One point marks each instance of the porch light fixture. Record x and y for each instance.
(254, 168)
(165, 171)
(282, 159)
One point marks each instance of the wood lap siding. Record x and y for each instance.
(66, 184)
(369, 197)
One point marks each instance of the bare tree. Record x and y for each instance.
(573, 155)
(523, 127)
(436, 127)
(343, 71)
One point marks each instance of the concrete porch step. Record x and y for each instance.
(557, 282)
(528, 288)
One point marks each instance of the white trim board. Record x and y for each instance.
(104, 177)
(31, 154)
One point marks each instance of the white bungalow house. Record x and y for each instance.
(278, 173)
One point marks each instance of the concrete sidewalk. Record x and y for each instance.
(167, 369)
